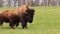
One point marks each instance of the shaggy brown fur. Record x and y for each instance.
(9, 16)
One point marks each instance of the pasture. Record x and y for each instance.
(46, 21)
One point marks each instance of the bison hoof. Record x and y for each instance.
(24, 28)
(14, 27)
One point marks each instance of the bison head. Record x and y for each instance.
(29, 15)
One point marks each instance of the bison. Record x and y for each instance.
(22, 14)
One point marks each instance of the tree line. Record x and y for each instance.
(16, 3)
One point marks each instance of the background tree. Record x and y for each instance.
(1, 3)
(9, 3)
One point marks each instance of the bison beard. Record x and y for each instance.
(23, 14)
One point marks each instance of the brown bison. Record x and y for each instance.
(23, 14)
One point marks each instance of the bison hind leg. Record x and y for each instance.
(1, 24)
(12, 25)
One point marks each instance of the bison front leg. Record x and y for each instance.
(24, 24)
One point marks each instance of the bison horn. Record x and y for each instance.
(26, 12)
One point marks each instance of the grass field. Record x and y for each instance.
(46, 21)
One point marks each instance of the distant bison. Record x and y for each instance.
(23, 14)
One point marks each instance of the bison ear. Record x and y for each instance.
(26, 12)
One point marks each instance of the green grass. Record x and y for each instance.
(46, 21)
